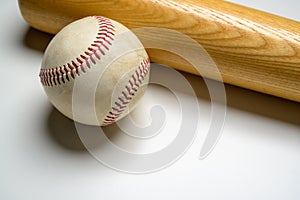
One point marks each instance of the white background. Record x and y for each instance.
(258, 156)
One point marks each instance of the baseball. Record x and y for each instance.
(96, 67)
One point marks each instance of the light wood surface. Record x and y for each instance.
(252, 49)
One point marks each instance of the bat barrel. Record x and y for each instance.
(251, 48)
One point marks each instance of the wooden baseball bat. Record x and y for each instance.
(251, 48)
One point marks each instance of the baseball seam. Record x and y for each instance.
(128, 92)
(82, 63)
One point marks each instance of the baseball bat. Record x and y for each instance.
(252, 49)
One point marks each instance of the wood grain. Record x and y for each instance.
(252, 49)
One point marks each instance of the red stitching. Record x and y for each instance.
(67, 73)
(81, 64)
(128, 92)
